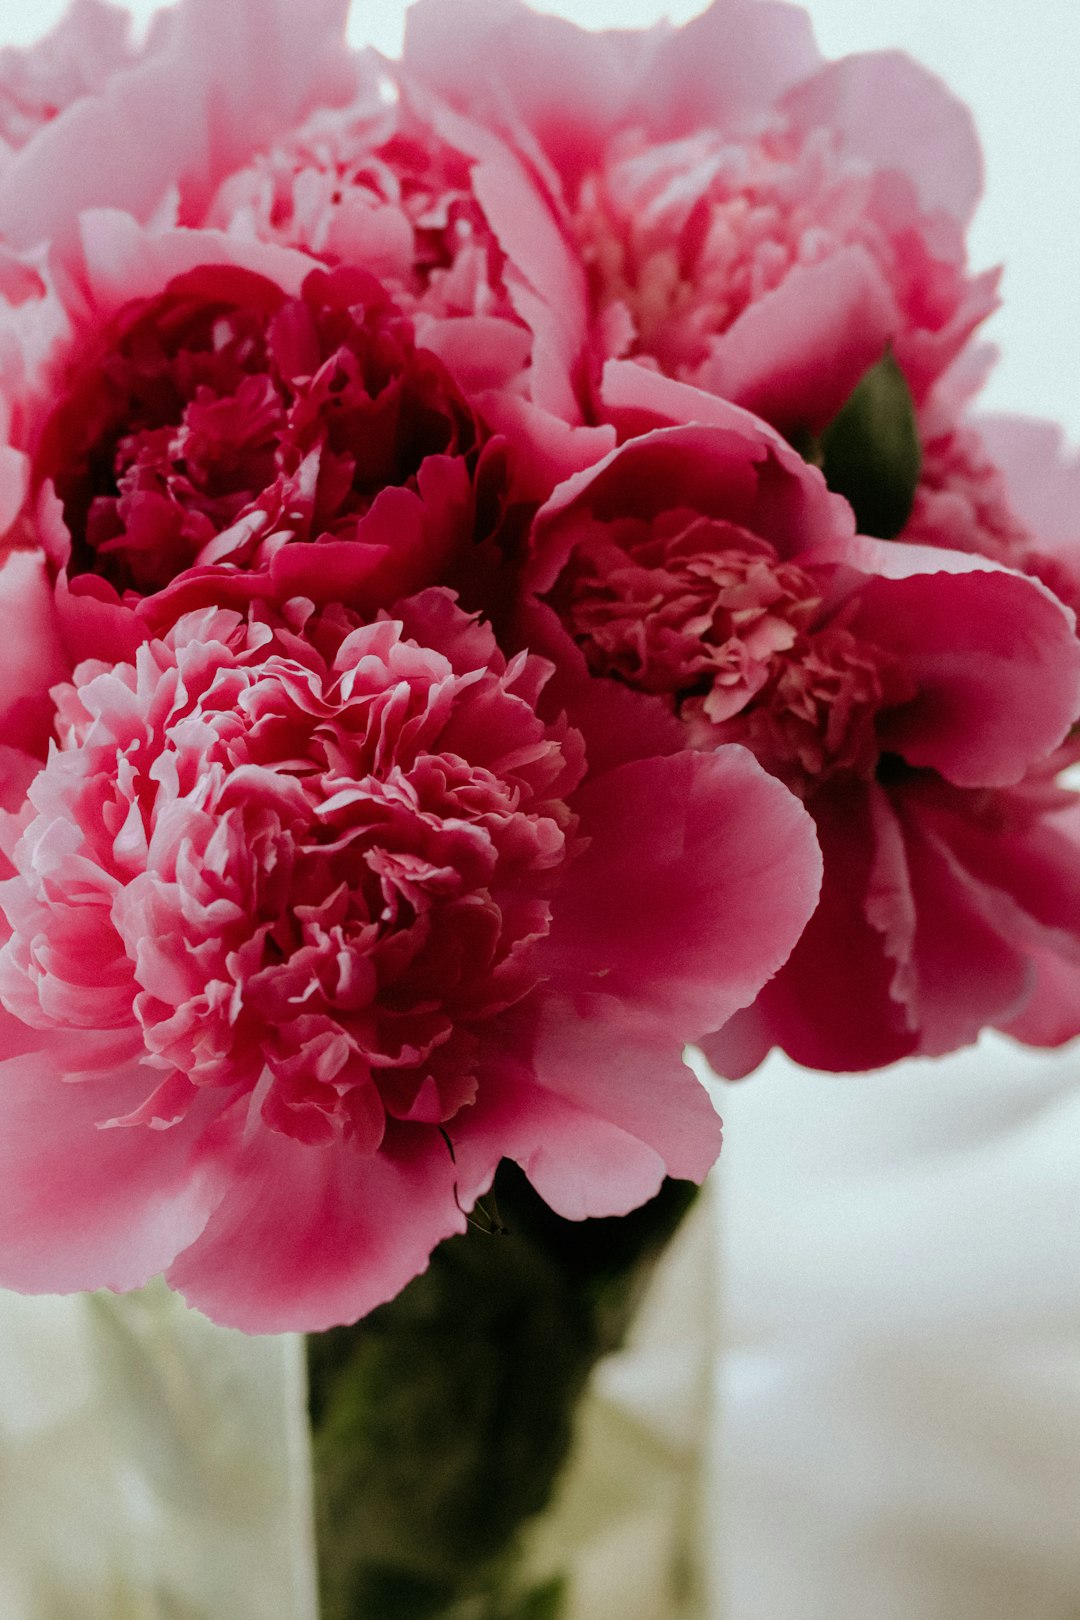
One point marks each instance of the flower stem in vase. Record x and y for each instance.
(441, 1421)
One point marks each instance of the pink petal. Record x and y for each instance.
(224, 81)
(726, 67)
(617, 723)
(32, 660)
(1051, 1014)
(507, 64)
(609, 1111)
(832, 1004)
(83, 1207)
(969, 970)
(701, 874)
(122, 260)
(894, 114)
(997, 666)
(795, 354)
(308, 1237)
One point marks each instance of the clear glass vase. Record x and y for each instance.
(163, 1465)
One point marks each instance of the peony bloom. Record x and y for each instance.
(223, 424)
(755, 221)
(911, 697)
(311, 920)
(450, 219)
(97, 123)
(207, 415)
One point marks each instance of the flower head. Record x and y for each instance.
(705, 565)
(326, 916)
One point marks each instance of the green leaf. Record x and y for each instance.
(870, 451)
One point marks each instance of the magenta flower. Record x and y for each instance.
(913, 698)
(310, 921)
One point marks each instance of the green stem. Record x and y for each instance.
(441, 1421)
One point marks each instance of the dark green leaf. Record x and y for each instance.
(870, 451)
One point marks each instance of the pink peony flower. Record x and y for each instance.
(310, 921)
(223, 423)
(755, 221)
(201, 418)
(449, 218)
(911, 697)
(98, 124)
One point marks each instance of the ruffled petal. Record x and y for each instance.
(223, 81)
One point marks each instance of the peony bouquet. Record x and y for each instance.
(501, 580)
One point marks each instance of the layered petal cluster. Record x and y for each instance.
(912, 698)
(754, 221)
(225, 423)
(449, 217)
(90, 43)
(312, 919)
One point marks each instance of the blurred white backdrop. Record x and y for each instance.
(901, 1382)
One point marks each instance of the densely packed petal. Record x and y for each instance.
(703, 565)
(304, 900)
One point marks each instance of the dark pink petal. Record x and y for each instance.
(309, 1236)
(832, 1006)
(701, 874)
(997, 666)
(892, 113)
(968, 970)
(85, 1207)
(617, 723)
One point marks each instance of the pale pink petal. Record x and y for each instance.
(308, 1237)
(508, 65)
(1051, 1014)
(726, 67)
(121, 260)
(32, 659)
(1042, 472)
(895, 114)
(794, 355)
(224, 80)
(701, 874)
